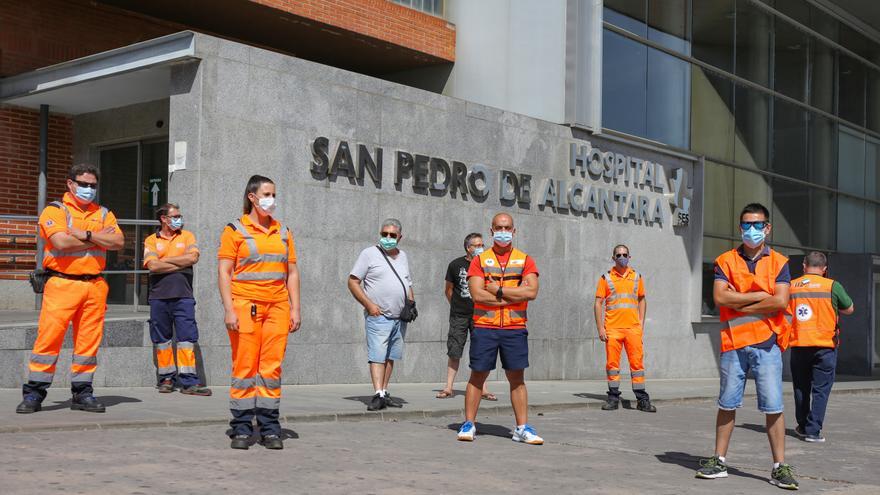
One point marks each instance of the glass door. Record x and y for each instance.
(134, 178)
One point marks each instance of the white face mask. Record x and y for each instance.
(268, 204)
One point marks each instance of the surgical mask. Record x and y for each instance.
(478, 251)
(176, 223)
(622, 262)
(86, 194)
(502, 237)
(753, 237)
(387, 243)
(268, 204)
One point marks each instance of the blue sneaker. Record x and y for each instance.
(527, 434)
(467, 431)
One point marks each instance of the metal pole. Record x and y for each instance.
(41, 186)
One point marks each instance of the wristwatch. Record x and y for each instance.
(499, 293)
(88, 235)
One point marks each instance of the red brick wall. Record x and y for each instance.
(19, 167)
(379, 19)
(38, 33)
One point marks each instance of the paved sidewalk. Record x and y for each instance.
(144, 407)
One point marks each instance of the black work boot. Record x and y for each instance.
(87, 403)
(241, 442)
(28, 406)
(611, 404)
(646, 406)
(272, 442)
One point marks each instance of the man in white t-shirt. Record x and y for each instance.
(382, 293)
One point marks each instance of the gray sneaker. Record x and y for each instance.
(712, 468)
(783, 477)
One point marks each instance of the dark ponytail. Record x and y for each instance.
(253, 186)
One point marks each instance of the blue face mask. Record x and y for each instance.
(176, 223)
(86, 194)
(387, 243)
(622, 262)
(502, 237)
(478, 251)
(753, 237)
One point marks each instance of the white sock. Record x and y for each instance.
(520, 427)
(384, 392)
(775, 465)
(721, 458)
(381, 393)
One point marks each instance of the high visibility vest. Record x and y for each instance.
(257, 265)
(815, 321)
(739, 330)
(69, 261)
(624, 298)
(512, 316)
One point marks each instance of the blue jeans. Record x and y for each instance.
(766, 367)
(168, 316)
(384, 338)
(812, 375)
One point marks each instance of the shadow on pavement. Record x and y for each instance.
(365, 399)
(692, 462)
(763, 429)
(107, 400)
(486, 429)
(625, 403)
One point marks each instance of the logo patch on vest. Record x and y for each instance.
(803, 312)
(179, 245)
(517, 262)
(490, 262)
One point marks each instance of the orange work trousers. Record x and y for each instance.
(257, 353)
(631, 340)
(83, 302)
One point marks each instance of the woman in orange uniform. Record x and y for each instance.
(259, 285)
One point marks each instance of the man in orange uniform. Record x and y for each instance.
(620, 323)
(77, 235)
(751, 288)
(170, 254)
(815, 303)
(502, 281)
(258, 281)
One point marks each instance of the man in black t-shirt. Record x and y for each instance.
(461, 311)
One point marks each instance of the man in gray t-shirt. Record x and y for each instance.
(382, 296)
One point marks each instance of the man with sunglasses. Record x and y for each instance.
(77, 234)
(620, 317)
(751, 288)
(170, 254)
(380, 281)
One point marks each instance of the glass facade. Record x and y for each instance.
(781, 98)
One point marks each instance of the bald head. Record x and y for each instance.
(502, 219)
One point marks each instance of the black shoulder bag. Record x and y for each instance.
(409, 312)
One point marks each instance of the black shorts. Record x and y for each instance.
(459, 328)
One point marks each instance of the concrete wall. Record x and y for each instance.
(243, 110)
(510, 54)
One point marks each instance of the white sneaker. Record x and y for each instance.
(467, 431)
(527, 434)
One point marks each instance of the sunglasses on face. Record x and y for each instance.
(757, 225)
(90, 185)
(392, 235)
(621, 255)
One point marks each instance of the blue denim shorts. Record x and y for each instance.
(384, 338)
(765, 365)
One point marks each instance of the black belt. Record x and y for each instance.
(53, 273)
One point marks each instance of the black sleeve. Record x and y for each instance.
(450, 275)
